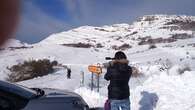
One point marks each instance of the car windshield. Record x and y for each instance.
(27, 89)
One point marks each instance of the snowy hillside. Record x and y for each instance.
(14, 43)
(162, 47)
(153, 28)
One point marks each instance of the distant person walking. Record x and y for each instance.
(119, 73)
(68, 73)
(82, 78)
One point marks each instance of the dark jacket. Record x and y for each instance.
(118, 74)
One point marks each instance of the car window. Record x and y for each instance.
(10, 101)
(17, 89)
(5, 104)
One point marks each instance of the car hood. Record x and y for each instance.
(56, 95)
(57, 92)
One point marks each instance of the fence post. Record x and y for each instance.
(98, 83)
(82, 78)
(92, 81)
(98, 79)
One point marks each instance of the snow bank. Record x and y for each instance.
(92, 98)
(165, 92)
(14, 43)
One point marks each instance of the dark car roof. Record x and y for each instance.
(17, 90)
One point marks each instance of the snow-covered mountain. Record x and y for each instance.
(160, 46)
(151, 28)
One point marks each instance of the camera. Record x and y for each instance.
(110, 63)
(109, 58)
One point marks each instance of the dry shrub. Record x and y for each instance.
(173, 38)
(183, 24)
(79, 45)
(122, 47)
(148, 40)
(22, 47)
(183, 69)
(152, 46)
(30, 69)
(99, 45)
(150, 18)
(136, 72)
(133, 33)
(101, 29)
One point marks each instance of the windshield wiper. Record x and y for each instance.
(39, 92)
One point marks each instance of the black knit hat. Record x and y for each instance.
(120, 55)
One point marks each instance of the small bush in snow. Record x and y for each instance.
(122, 47)
(136, 72)
(152, 46)
(30, 69)
(135, 32)
(79, 45)
(114, 47)
(178, 69)
(183, 69)
(22, 47)
(99, 45)
(166, 65)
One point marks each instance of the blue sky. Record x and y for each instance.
(40, 18)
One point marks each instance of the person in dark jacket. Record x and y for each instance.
(68, 73)
(119, 73)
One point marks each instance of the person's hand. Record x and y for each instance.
(9, 14)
